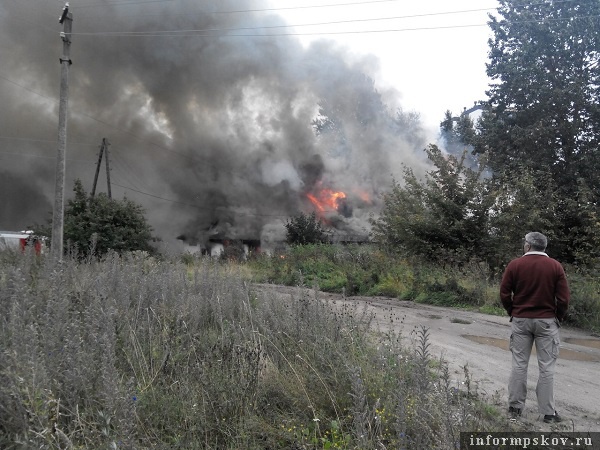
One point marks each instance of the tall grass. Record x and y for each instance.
(130, 352)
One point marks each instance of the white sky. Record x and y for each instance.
(438, 67)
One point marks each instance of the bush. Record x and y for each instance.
(95, 225)
(305, 229)
(584, 308)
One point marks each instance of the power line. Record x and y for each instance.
(125, 167)
(195, 205)
(344, 4)
(336, 22)
(125, 3)
(118, 168)
(355, 4)
(206, 32)
(26, 88)
(156, 196)
(45, 157)
(289, 8)
(136, 2)
(49, 141)
(305, 7)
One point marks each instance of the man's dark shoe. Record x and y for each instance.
(514, 412)
(552, 418)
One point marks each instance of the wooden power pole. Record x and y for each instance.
(66, 19)
(103, 149)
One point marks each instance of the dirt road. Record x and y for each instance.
(481, 342)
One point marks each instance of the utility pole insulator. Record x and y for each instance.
(65, 12)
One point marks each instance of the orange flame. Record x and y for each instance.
(364, 196)
(326, 199)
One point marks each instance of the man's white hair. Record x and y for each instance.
(538, 241)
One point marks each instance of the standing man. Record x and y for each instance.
(535, 293)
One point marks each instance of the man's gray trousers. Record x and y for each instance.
(544, 332)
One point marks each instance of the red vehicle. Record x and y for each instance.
(21, 240)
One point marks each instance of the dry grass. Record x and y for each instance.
(136, 353)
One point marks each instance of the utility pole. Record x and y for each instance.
(103, 148)
(66, 19)
(107, 169)
(98, 167)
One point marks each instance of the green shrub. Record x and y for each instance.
(439, 298)
(584, 308)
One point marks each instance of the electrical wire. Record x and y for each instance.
(288, 8)
(127, 169)
(162, 14)
(329, 33)
(125, 3)
(291, 8)
(210, 32)
(135, 2)
(195, 205)
(50, 141)
(24, 87)
(337, 22)
(29, 155)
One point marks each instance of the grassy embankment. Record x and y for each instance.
(363, 270)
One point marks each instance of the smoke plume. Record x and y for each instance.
(220, 130)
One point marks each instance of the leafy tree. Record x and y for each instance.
(520, 206)
(305, 229)
(459, 134)
(443, 217)
(101, 223)
(543, 114)
(457, 131)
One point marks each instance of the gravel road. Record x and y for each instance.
(481, 342)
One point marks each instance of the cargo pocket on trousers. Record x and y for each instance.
(510, 342)
(555, 347)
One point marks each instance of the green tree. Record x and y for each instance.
(100, 223)
(520, 205)
(443, 217)
(305, 229)
(543, 113)
(458, 131)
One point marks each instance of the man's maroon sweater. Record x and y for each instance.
(535, 286)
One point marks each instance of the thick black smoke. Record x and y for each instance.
(233, 127)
